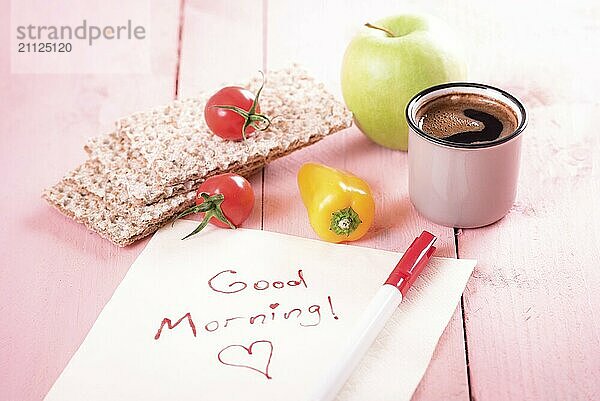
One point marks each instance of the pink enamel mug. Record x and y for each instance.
(463, 185)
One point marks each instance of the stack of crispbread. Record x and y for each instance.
(144, 173)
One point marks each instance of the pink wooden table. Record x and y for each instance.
(528, 326)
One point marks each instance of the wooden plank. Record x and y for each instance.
(222, 43)
(532, 308)
(55, 275)
(317, 41)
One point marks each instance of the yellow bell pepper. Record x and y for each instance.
(340, 205)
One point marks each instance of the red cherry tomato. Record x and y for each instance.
(227, 123)
(239, 197)
(226, 201)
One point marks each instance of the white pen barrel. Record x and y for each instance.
(373, 319)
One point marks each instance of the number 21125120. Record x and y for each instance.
(44, 47)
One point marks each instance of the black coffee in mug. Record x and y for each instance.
(466, 118)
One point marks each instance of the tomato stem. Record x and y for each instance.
(251, 117)
(211, 207)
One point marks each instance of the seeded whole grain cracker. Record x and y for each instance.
(112, 217)
(171, 149)
(144, 173)
(118, 181)
(122, 226)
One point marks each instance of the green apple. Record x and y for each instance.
(387, 63)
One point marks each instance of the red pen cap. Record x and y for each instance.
(412, 262)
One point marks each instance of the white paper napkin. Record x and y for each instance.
(224, 354)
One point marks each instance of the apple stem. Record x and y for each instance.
(387, 31)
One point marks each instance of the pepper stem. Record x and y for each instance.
(387, 31)
(211, 207)
(344, 221)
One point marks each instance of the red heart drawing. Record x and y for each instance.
(273, 306)
(244, 357)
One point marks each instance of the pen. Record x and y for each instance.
(379, 310)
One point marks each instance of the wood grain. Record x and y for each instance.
(55, 275)
(531, 307)
(317, 41)
(216, 51)
(534, 285)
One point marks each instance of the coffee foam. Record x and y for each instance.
(445, 116)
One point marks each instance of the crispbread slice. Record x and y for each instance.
(115, 219)
(123, 226)
(146, 172)
(118, 185)
(165, 151)
(114, 190)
